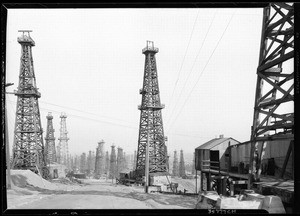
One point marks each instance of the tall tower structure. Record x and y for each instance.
(63, 141)
(107, 163)
(120, 163)
(89, 162)
(100, 159)
(175, 165)
(83, 164)
(193, 165)
(273, 117)
(113, 163)
(151, 140)
(134, 159)
(181, 165)
(28, 146)
(50, 150)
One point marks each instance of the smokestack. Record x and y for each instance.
(222, 136)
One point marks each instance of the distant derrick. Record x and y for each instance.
(100, 160)
(181, 165)
(63, 151)
(134, 160)
(193, 165)
(83, 164)
(50, 150)
(28, 146)
(89, 163)
(107, 163)
(120, 163)
(151, 125)
(175, 165)
(113, 163)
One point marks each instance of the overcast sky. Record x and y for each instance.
(89, 64)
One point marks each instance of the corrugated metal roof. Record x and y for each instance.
(212, 143)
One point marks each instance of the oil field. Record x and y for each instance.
(85, 126)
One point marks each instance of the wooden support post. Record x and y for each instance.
(231, 189)
(208, 182)
(201, 181)
(261, 156)
(196, 181)
(286, 160)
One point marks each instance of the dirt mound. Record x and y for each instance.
(23, 178)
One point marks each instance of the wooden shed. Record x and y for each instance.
(212, 154)
(274, 155)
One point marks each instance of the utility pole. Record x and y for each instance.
(8, 176)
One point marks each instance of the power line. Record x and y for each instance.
(178, 74)
(82, 117)
(84, 111)
(173, 110)
(202, 70)
(95, 120)
(65, 107)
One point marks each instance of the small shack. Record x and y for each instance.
(213, 154)
(57, 170)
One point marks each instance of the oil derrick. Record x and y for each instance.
(175, 165)
(89, 162)
(151, 140)
(134, 160)
(28, 146)
(93, 162)
(119, 161)
(181, 165)
(107, 163)
(193, 165)
(63, 141)
(273, 117)
(83, 164)
(77, 163)
(100, 160)
(125, 161)
(112, 163)
(50, 150)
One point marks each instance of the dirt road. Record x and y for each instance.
(96, 194)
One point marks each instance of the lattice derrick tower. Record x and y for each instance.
(151, 125)
(119, 161)
(28, 146)
(181, 165)
(272, 119)
(100, 159)
(107, 163)
(50, 150)
(175, 165)
(113, 163)
(63, 141)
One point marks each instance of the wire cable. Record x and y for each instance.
(207, 62)
(208, 30)
(178, 74)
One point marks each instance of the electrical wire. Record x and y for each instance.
(207, 62)
(208, 30)
(178, 74)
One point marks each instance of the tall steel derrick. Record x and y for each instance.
(100, 160)
(63, 149)
(28, 147)
(50, 150)
(151, 125)
(273, 120)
